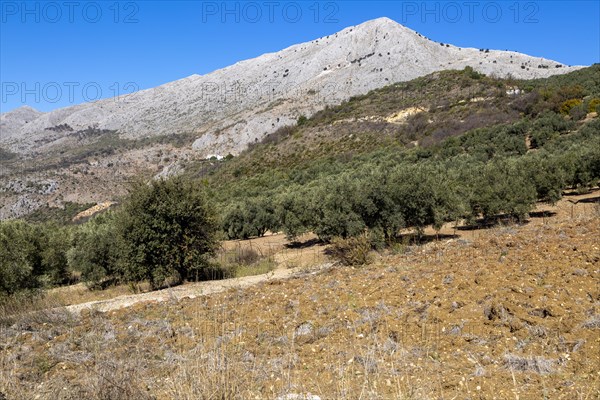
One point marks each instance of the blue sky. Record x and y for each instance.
(59, 53)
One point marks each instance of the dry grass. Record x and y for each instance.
(30, 307)
(259, 267)
(80, 293)
(509, 313)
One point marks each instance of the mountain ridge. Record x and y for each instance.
(232, 107)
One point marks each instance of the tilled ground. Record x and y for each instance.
(510, 312)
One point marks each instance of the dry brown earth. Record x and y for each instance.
(510, 312)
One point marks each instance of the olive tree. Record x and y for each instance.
(95, 250)
(168, 230)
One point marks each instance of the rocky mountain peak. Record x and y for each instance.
(237, 105)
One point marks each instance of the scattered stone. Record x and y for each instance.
(538, 365)
(304, 329)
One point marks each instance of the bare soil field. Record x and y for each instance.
(507, 312)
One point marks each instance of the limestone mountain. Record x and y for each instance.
(234, 106)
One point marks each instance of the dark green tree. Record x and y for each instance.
(168, 230)
(20, 256)
(252, 217)
(426, 195)
(547, 174)
(377, 206)
(501, 187)
(293, 213)
(335, 208)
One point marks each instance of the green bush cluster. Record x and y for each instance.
(32, 256)
(164, 233)
(168, 232)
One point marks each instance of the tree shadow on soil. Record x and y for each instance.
(416, 239)
(590, 200)
(541, 214)
(573, 193)
(304, 245)
(495, 221)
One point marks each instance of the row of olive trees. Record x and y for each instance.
(386, 198)
(164, 233)
(384, 201)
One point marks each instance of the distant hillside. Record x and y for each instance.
(444, 147)
(420, 113)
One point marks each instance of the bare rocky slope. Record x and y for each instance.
(234, 106)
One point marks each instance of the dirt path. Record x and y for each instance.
(191, 290)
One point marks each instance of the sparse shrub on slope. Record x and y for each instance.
(352, 251)
(579, 112)
(168, 230)
(568, 105)
(487, 143)
(594, 105)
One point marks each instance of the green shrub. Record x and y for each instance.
(168, 230)
(20, 256)
(578, 112)
(302, 120)
(541, 136)
(567, 105)
(594, 105)
(96, 251)
(471, 73)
